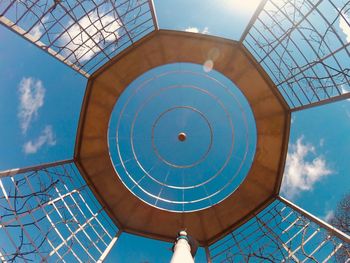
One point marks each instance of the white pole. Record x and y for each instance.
(182, 250)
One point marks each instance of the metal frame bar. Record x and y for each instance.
(23, 229)
(109, 247)
(81, 228)
(53, 225)
(50, 198)
(12, 172)
(316, 220)
(154, 14)
(309, 81)
(21, 32)
(90, 210)
(281, 232)
(342, 97)
(81, 34)
(252, 20)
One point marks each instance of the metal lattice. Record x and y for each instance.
(82, 34)
(282, 233)
(49, 212)
(303, 45)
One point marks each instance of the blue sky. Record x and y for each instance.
(220, 137)
(40, 101)
(180, 15)
(318, 154)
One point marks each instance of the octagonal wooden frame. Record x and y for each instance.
(272, 116)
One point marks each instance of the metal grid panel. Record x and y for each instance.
(50, 214)
(82, 34)
(281, 234)
(304, 47)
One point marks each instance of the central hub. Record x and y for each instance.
(171, 132)
(182, 137)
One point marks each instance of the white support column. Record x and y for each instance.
(109, 247)
(182, 250)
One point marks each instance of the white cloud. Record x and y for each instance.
(32, 93)
(192, 29)
(38, 30)
(293, 119)
(347, 112)
(196, 30)
(344, 26)
(46, 137)
(329, 216)
(301, 174)
(99, 26)
(344, 90)
(321, 142)
(205, 30)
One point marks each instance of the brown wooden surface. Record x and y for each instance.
(272, 122)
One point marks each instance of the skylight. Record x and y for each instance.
(182, 137)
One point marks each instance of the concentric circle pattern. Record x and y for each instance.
(182, 138)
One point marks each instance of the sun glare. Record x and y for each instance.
(239, 6)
